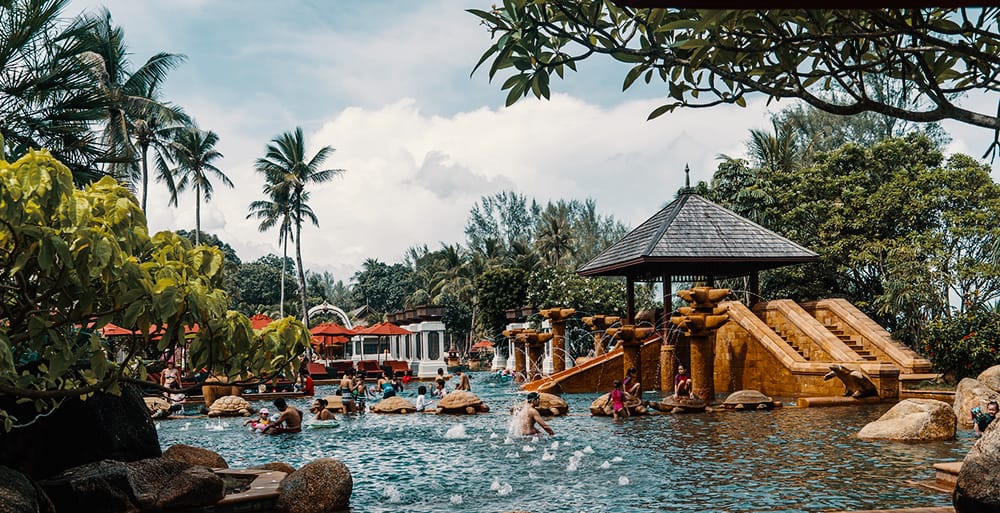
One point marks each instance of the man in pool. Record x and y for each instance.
(290, 420)
(532, 417)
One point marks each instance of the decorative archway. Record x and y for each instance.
(328, 308)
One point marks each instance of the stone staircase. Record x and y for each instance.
(788, 339)
(856, 345)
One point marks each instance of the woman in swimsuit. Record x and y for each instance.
(617, 400)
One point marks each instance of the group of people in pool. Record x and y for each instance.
(622, 392)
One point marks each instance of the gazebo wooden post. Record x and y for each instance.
(754, 287)
(629, 300)
(668, 349)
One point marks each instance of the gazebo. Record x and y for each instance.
(695, 240)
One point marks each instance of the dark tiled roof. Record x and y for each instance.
(692, 235)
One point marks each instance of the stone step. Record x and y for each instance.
(945, 477)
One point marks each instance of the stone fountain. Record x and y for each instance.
(700, 322)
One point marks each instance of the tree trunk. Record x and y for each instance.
(145, 177)
(197, 213)
(284, 258)
(302, 273)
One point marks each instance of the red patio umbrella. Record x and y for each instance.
(482, 344)
(259, 321)
(383, 329)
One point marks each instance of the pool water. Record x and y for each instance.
(785, 460)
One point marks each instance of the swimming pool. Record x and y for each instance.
(786, 460)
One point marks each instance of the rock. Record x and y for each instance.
(275, 465)
(461, 401)
(990, 378)
(195, 456)
(80, 432)
(913, 420)
(165, 484)
(394, 404)
(551, 405)
(100, 487)
(679, 405)
(601, 407)
(153, 484)
(18, 494)
(320, 486)
(156, 404)
(978, 487)
(969, 394)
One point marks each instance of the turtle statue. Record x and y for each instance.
(549, 405)
(461, 401)
(230, 406)
(680, 404)
(158, 407)
(601, 407)
(394, 404)
(749, 400)
(856, 384)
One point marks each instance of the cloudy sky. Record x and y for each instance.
(388, 85)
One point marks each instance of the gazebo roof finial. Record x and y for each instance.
(687, 179)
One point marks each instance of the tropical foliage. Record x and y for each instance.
(844, 62)
(77, 259)
(966, 344)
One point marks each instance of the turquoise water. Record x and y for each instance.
(786, 460)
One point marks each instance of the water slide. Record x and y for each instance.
(780, 348)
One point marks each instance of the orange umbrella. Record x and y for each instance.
(387, 329)
(259, 321)
(482, 344)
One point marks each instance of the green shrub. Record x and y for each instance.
(965, 344)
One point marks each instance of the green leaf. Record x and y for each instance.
(661, 110)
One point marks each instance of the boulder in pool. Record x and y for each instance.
(913, 420)
(601, 407)
(977, 489)
(195, 456)
(462, 402)
(969, 394)
(320, 486)
(394, 404)
(671, 404)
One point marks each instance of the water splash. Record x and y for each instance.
(505, 490)
(616, 459)
(495, 485)
(456, 499)
(391, 494)
(548, 456)
(456, 431)
(588, 450)
(494, 436)
(555, 445)
(187, 426)
(527, 448)
(606, 464)
(218, 426)
(623, 481)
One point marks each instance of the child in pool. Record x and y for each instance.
(422, 402)
(261, 423)
(617, 400)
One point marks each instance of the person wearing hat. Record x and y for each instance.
(532, 417)
(261, 423)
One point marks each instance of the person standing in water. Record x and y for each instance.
(617, 400)
(463, 383)
(530, 416)
(347, 391)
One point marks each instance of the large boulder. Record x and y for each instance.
(913, 420)
(18, 494)
(969, 394)
(990, 378)
(105, 426)
(195, 456)
(977, 489)
(154, 484)
(320, 486)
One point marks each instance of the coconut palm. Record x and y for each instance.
(155, 131)
(288, 171)
(47, 94)
(271, 212)
(128, 96)
(554, 235)
(193, 153)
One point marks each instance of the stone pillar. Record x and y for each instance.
(535, 352)
(558, 317)
(700, 322)
(668, 365)
(598, 324)
(631, 338)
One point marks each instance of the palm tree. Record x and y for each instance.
(156, 131)
(271, 212)
(47, 93)
(288, 171)
(554, 238)
(193, 152)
